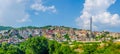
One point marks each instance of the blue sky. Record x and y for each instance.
(67, 12)
(71, 13)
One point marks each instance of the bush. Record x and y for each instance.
(89, 48)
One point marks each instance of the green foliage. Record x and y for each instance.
(66, 36)
(41, 45)
(65, 42)
(53, 46)
(20, 37)
(109, 48)
(78, 43)
(35, 45)
(57, 48)
(65, 50)
(13, 50)
(30, 36)
(46, 27)
(2, 51)
(5, 28)
(90, 48)
(6, 48)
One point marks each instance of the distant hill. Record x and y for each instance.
(5, 28)
(46, 27)
(34, 27)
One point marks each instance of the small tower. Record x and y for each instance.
(90, 29)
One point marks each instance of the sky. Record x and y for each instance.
(70, 13)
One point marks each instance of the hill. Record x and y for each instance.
(5, 28)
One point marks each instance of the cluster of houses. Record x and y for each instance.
(52, 33)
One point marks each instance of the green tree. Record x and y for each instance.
(13, 49)
(89, 48)
(4, 45)
(66, 36)
(53, 46)
(2, 51)
(35, 45)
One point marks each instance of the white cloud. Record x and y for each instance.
(38, 6)
(97, 9)
(11, 11)
(26, 18)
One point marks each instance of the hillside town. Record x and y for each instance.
(58, 33)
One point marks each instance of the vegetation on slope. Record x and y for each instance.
(5, 28)
(41, 45)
